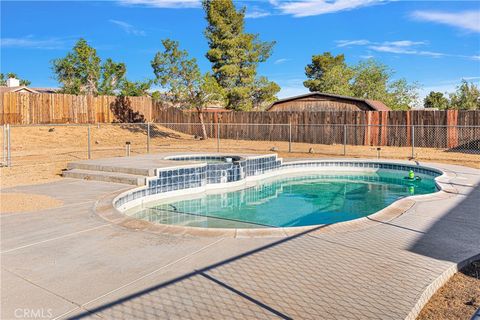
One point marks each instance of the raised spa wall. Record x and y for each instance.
(216, 170)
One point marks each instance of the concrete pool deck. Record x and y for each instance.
(67, 262)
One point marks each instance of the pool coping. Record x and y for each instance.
(105, 208)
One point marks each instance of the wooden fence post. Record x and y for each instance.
(452, 130)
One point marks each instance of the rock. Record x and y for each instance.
(273, 149)
(97, 142)
(51, 129)
(311, 150)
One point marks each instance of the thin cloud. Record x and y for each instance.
(172, 4)
(257, 14)
(404, 50)
(467, 20)
(31, 42)
(280, 61)
(363, 42)
(348, 43)
(404, 43)
(305, 8)
(128, 28)
(401, 47)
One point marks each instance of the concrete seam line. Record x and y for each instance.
(56, 238)
(141, 278)
(39, 286)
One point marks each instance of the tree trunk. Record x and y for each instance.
(204, 129)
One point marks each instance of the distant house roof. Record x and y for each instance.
(17, 89)
(46, 90)
(374, 104)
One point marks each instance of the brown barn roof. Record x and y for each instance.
(377, 105)
(374, 104)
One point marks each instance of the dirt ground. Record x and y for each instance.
(40, 153)
(22, 202)
(458, 299)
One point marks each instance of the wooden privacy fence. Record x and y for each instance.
(420, 117)
(442, 129)
(27, 108)
(438, 129)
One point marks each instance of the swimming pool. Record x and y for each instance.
(206, 193)
(305, 200)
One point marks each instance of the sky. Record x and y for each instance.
(435, 43)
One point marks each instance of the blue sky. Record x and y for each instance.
(436, 43)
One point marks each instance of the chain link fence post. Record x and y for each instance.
(290, 137)
(6, 154)
(89, 147)
(148, 137)
(218, 136)
(344, 140)
(9, 147)
(413, 142)
(4, 145)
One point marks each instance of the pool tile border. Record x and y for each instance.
(205, 175)
(107, 209)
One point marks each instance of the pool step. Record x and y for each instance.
(85, 165)
(117, 177)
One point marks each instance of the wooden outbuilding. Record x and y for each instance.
(317, 101)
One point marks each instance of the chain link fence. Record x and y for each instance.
(38, 144)
(5, 138)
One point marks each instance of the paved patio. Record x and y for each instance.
(67, 262)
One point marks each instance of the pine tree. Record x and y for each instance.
(234, 54)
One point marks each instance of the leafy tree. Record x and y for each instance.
(25, 83)
(264, 93)
(436, 100)
(328, 73)
(234, 54)
(112, 76)
(181, 77)
(79, 71)
(402, 95)
(134, 88)
(337, 80)
(467, 97)
(367, 80)
(156, 95)
(371, 80)
(3, 79)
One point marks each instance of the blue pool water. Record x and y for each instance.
(288, 202)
